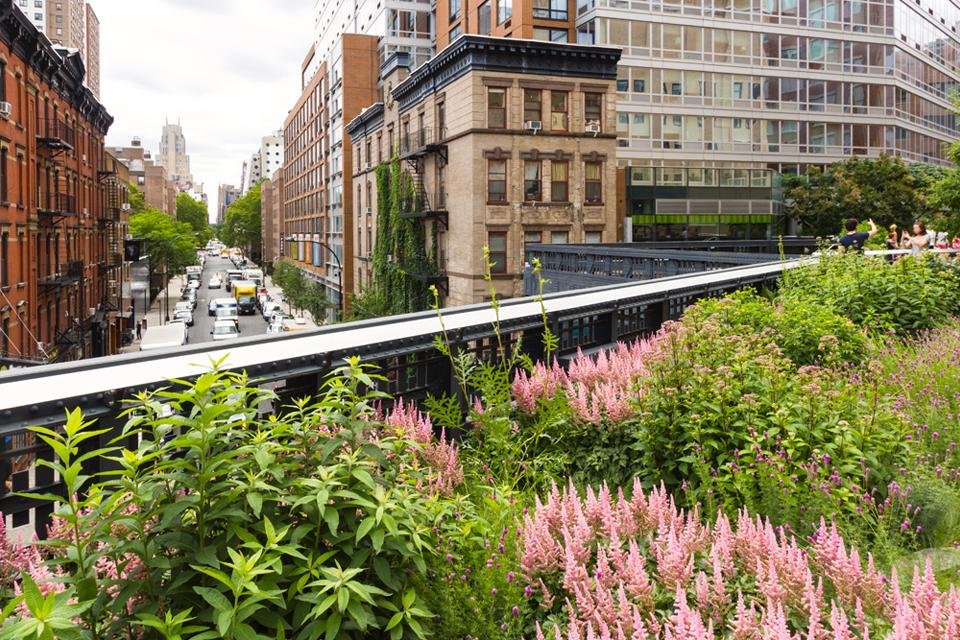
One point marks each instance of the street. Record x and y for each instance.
(202, 321)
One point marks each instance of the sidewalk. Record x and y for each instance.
(157, 308)
(277, 294)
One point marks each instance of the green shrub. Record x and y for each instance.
(806, 332)
(909, 294)
(301, 526)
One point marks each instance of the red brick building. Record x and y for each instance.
(60, 207)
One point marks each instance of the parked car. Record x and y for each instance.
(263, 298)
(190, 295)
(224, 330)
(269, 309)
(276, 323)
(193, 284)
(184, 315)
(215, 283)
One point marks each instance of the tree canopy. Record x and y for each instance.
(884, 188)
(195, 214)
(243, 223)
(299, 291)
(167, 242)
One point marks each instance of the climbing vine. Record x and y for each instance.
(400, 249)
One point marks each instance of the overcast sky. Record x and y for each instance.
(227, 69)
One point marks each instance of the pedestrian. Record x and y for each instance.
(139, 330)
(917, 242)
(893, 239)
(855, 239)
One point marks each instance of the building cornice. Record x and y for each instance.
(506, 55)
(63, 71)
(370, 119)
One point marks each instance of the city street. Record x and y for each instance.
(202, 321)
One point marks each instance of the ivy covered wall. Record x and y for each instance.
(399, 251)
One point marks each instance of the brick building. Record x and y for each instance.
(158, 190)
(58, 211)
(527, 130)
(271, 207)
(318, 209)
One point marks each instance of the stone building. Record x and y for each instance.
(271, 207)
(57, 260)
(506, 142)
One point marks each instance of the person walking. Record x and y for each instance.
(855, 239)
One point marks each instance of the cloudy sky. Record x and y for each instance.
(227, 69)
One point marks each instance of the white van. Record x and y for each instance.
(166, 336)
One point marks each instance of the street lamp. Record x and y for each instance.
(342, 305)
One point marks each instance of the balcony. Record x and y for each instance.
(433, 206)
(65, 274)
(422, 142)
(57, 206)
(54, 134)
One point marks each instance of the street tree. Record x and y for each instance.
(883, 188)
(195, 214)
(243, 223)
(170, 245)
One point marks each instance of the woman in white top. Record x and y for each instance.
(918, 241)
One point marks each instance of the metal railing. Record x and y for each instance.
(58, 205)
(571, 267)
(64, 274)
(402, 346)
(55, 133)
(417, 141)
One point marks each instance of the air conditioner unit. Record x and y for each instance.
(368, 210)
(593, 127)
(125, 206)
(533, 125)
(367, 166)
(5, 110)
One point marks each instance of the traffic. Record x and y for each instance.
(223, 297)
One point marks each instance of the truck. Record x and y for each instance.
(253, 275)
(168, 336)
(245, 293)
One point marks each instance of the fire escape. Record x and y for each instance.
(109, 224)
(56, 205)
(415, 149)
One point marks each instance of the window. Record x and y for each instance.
(532, 105)
(558, 110)
(550, 9)
(593, 237)
(531, 180)
(21, 252)
(455, 33)
(497, 243)
(4, 260)
(497, 181)
(3, 82)
(593, 183)
(497, 108)
(504, 10)
(483, 19)
(550, 35)
(559, 182)
(4, 170)
(593, 107)
(532, 237)
(455, 6)
(559, 237)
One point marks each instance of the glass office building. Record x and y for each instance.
(715, 97)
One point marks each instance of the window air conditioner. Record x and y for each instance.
(593, 127)
(533, 125)
(5, 110)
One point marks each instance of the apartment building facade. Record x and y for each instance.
(271, 207)
(36, 11)
(717, 98)
(318, 211)
(59, 214)
(173, 156)
(151, 178)
(506, 142)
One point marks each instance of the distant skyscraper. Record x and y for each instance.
(92, 59)
(173, 156)
(226, 195)
(36, 10)
(73, 24)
